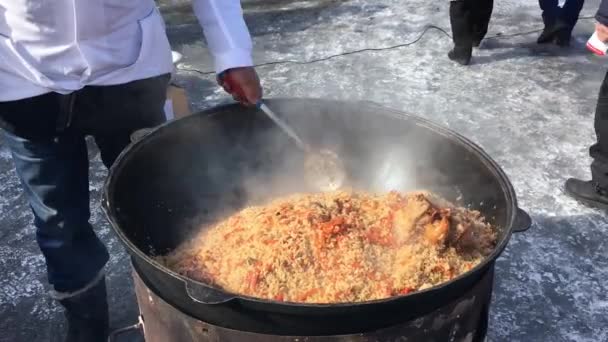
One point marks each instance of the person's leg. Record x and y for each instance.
(115, 112)
(599, 151)
(595, 192)
(460, 19)
(550, 14)
(54, 173)
(568, 16)
(570, 11)
(55, 179)
(53, 169)
(549, 9)
(481, 12)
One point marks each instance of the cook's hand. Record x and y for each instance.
(602, 32)
(243, 84)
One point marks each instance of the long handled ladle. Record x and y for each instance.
(323, 168)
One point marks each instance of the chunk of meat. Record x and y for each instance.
(405, 218)
(461, 234)
(470, 235)
(436, 232)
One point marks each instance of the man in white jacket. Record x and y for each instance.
(76, 68)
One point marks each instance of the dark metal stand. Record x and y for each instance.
(466, 319)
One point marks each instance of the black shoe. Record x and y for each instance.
(87, 315)
(548, 35)
(461, 55)
(587, 192)
(563, 37)
(552, 30)
(477, 36)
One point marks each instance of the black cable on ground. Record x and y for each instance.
(392, 47)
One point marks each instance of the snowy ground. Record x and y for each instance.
(530, 107)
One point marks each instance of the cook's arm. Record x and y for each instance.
(602, 13)
(226, 33)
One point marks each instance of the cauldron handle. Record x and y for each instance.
(206, 295)
(522, 221)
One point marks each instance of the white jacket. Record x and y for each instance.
(64, 45)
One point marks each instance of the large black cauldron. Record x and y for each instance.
(194, 170)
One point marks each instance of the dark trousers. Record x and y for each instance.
(470, 20)
(567, 14)
(599, 151)
(46, 136)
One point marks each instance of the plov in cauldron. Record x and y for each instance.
(202, 168)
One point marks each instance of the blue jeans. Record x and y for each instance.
(46, 136)
(567, 14)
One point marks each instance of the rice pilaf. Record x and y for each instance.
(341, 246)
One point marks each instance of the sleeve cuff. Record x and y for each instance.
(236, 58)
(601, 18)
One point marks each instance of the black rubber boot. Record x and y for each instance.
(563, 36)
(460, 19)
(548, 35)
(461, 55)
(481, 13)
(587, 192)
(87, 314)
(549, 32)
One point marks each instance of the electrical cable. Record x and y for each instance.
(392, 47)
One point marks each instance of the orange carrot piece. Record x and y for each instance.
(305, 295)
(405, 291)
(253, 279)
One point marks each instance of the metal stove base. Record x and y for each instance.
(464, 320)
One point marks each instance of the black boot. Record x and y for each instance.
(461, 55)
(480, 18)
(587, 192)
(549, 34)
(462, 35)
(563, 36)
(477, 35)
(87, 314)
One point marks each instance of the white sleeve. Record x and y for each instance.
(226, 32)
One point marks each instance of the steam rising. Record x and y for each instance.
(370, 164)
(252, 161)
